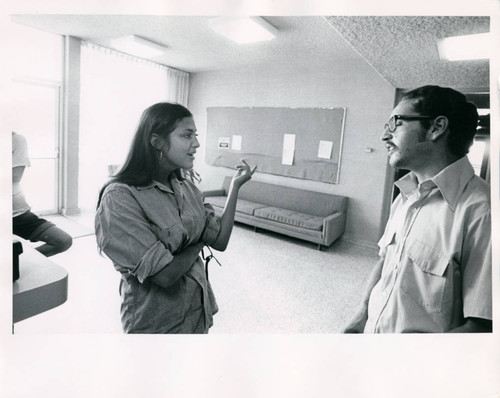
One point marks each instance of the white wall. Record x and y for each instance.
(352, 84)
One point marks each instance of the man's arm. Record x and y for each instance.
(358, 321)
(17, 173)
(474, 325)
(476, 276)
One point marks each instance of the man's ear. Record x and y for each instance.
(156, 141)
(439, 128)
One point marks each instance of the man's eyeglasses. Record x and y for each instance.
(392, 124)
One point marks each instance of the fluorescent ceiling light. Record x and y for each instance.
(461, 48)
(138, 46)
(243, 29)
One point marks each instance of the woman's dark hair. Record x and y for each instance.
(442, 101)
(142, 163)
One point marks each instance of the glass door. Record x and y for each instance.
(37, 118)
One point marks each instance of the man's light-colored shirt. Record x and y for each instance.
(20, 158)
(140, 229)
(437, 255)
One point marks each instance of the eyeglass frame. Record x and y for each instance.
(387, 126)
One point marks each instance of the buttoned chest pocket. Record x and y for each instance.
(387, 246)
(172, 237)
(423, 277)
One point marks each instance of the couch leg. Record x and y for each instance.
(255, 229)
(321, 247)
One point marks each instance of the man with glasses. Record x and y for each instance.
(434, 273)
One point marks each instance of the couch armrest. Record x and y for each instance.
(214, 192)
(333, 227)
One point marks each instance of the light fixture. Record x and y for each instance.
(138, 46)
(462, 48)
(243, 29)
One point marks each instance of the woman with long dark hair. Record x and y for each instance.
(152, 223)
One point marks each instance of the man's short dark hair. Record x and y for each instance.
(443, 101)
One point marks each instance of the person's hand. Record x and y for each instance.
(243, 174)
(357, 322)
(352, 329)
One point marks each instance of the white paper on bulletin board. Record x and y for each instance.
(223, 143)
(288, 149)
(236, 143)
(325, 149)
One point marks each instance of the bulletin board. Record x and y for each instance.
(266, 136)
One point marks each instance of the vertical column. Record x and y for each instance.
(71, 126)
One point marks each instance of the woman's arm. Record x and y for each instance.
(184, 260)
(180, 264)
(243, 174)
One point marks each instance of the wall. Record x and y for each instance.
(354, 85)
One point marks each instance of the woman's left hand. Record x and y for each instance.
(243, 174)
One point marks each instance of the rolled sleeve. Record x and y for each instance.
(156, 258)
(126, 237)
(212, 225)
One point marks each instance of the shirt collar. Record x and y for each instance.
(450, 181)
(175, 177)
(155, 184)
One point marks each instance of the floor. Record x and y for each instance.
(268, 283)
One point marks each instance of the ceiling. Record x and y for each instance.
(401, 49)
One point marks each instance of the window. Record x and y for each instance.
(35, 113)
(115, 90)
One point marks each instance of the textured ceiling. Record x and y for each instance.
(401, 49)
(404, 50)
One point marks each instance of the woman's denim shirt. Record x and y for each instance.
(140, 229)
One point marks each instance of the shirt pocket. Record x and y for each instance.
(423, 277)
(172, 237)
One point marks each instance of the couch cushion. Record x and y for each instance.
(242, 206)
(290, 217)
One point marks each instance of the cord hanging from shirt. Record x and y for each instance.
(208, 258)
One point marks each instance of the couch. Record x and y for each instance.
(312, 216)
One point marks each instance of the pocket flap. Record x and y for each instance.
(387, 239)
(427, 258)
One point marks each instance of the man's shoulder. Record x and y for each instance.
(18, 140)
(479, 187)
(477, 193)
(20, 156)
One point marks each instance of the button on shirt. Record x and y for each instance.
(140, 229)
(437, 255)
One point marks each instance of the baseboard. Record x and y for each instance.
(359, 242)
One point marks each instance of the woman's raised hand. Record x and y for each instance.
(243, 174)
